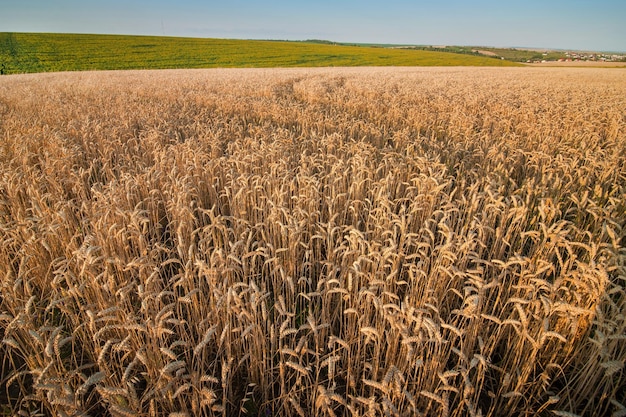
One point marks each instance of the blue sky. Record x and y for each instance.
(567, 24)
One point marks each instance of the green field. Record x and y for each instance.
(45, 52)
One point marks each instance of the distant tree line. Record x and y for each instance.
(452, 49)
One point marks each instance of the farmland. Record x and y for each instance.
(46, 52)
(333, 242)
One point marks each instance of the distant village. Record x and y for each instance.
(582, 56)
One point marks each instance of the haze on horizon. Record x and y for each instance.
(557, 24)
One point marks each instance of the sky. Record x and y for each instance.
(598, 25)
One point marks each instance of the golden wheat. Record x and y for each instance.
(364, 241)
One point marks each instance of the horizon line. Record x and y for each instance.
(317, 40)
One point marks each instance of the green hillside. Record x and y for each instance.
(43, 52)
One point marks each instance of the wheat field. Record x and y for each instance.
(299, 242)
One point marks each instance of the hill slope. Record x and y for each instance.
(44, 52)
